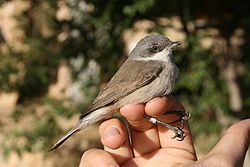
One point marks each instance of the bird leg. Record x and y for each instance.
(183, 116)
(179, 133)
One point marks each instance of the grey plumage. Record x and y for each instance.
(147, 73)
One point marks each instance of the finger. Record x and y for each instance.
(232, 147)
(184, 147)
(165, 134)
(145, 141)
(114, 137)
(134, 114)
(160, 105)
(141, 131)
(97, 157)
(157, 107)
(141, 128)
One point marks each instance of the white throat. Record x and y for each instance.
(165, 56)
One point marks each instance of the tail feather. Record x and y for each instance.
(64, 138)
(85, 121)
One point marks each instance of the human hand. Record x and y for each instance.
(153, 146)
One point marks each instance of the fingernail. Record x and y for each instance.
(111, 131)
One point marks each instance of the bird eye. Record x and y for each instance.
(154, 48)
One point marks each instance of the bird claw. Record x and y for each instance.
(179, 133)
(186, 115)
(183, 115)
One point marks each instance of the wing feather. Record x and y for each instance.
(127, 79)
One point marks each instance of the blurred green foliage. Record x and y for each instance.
(200, 88)
(96, 33)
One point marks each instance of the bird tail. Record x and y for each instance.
(64, 138)
(85, 121)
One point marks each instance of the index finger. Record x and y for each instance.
(134, 113)
(155, 137)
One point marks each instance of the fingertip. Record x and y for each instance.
(114, 137)
(243, 124)
(233, 145)
(113, 133)
(242, 131)
(156, 106)
(133, 112)
(160, 105)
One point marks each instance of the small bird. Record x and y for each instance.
(148, 72)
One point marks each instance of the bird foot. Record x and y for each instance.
(183, 116)
(179, 133)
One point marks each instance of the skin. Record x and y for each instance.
(153, 146)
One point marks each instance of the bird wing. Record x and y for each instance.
(127, 79)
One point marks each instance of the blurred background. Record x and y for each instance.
(56, 55)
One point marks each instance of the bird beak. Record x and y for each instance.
(176, 43)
